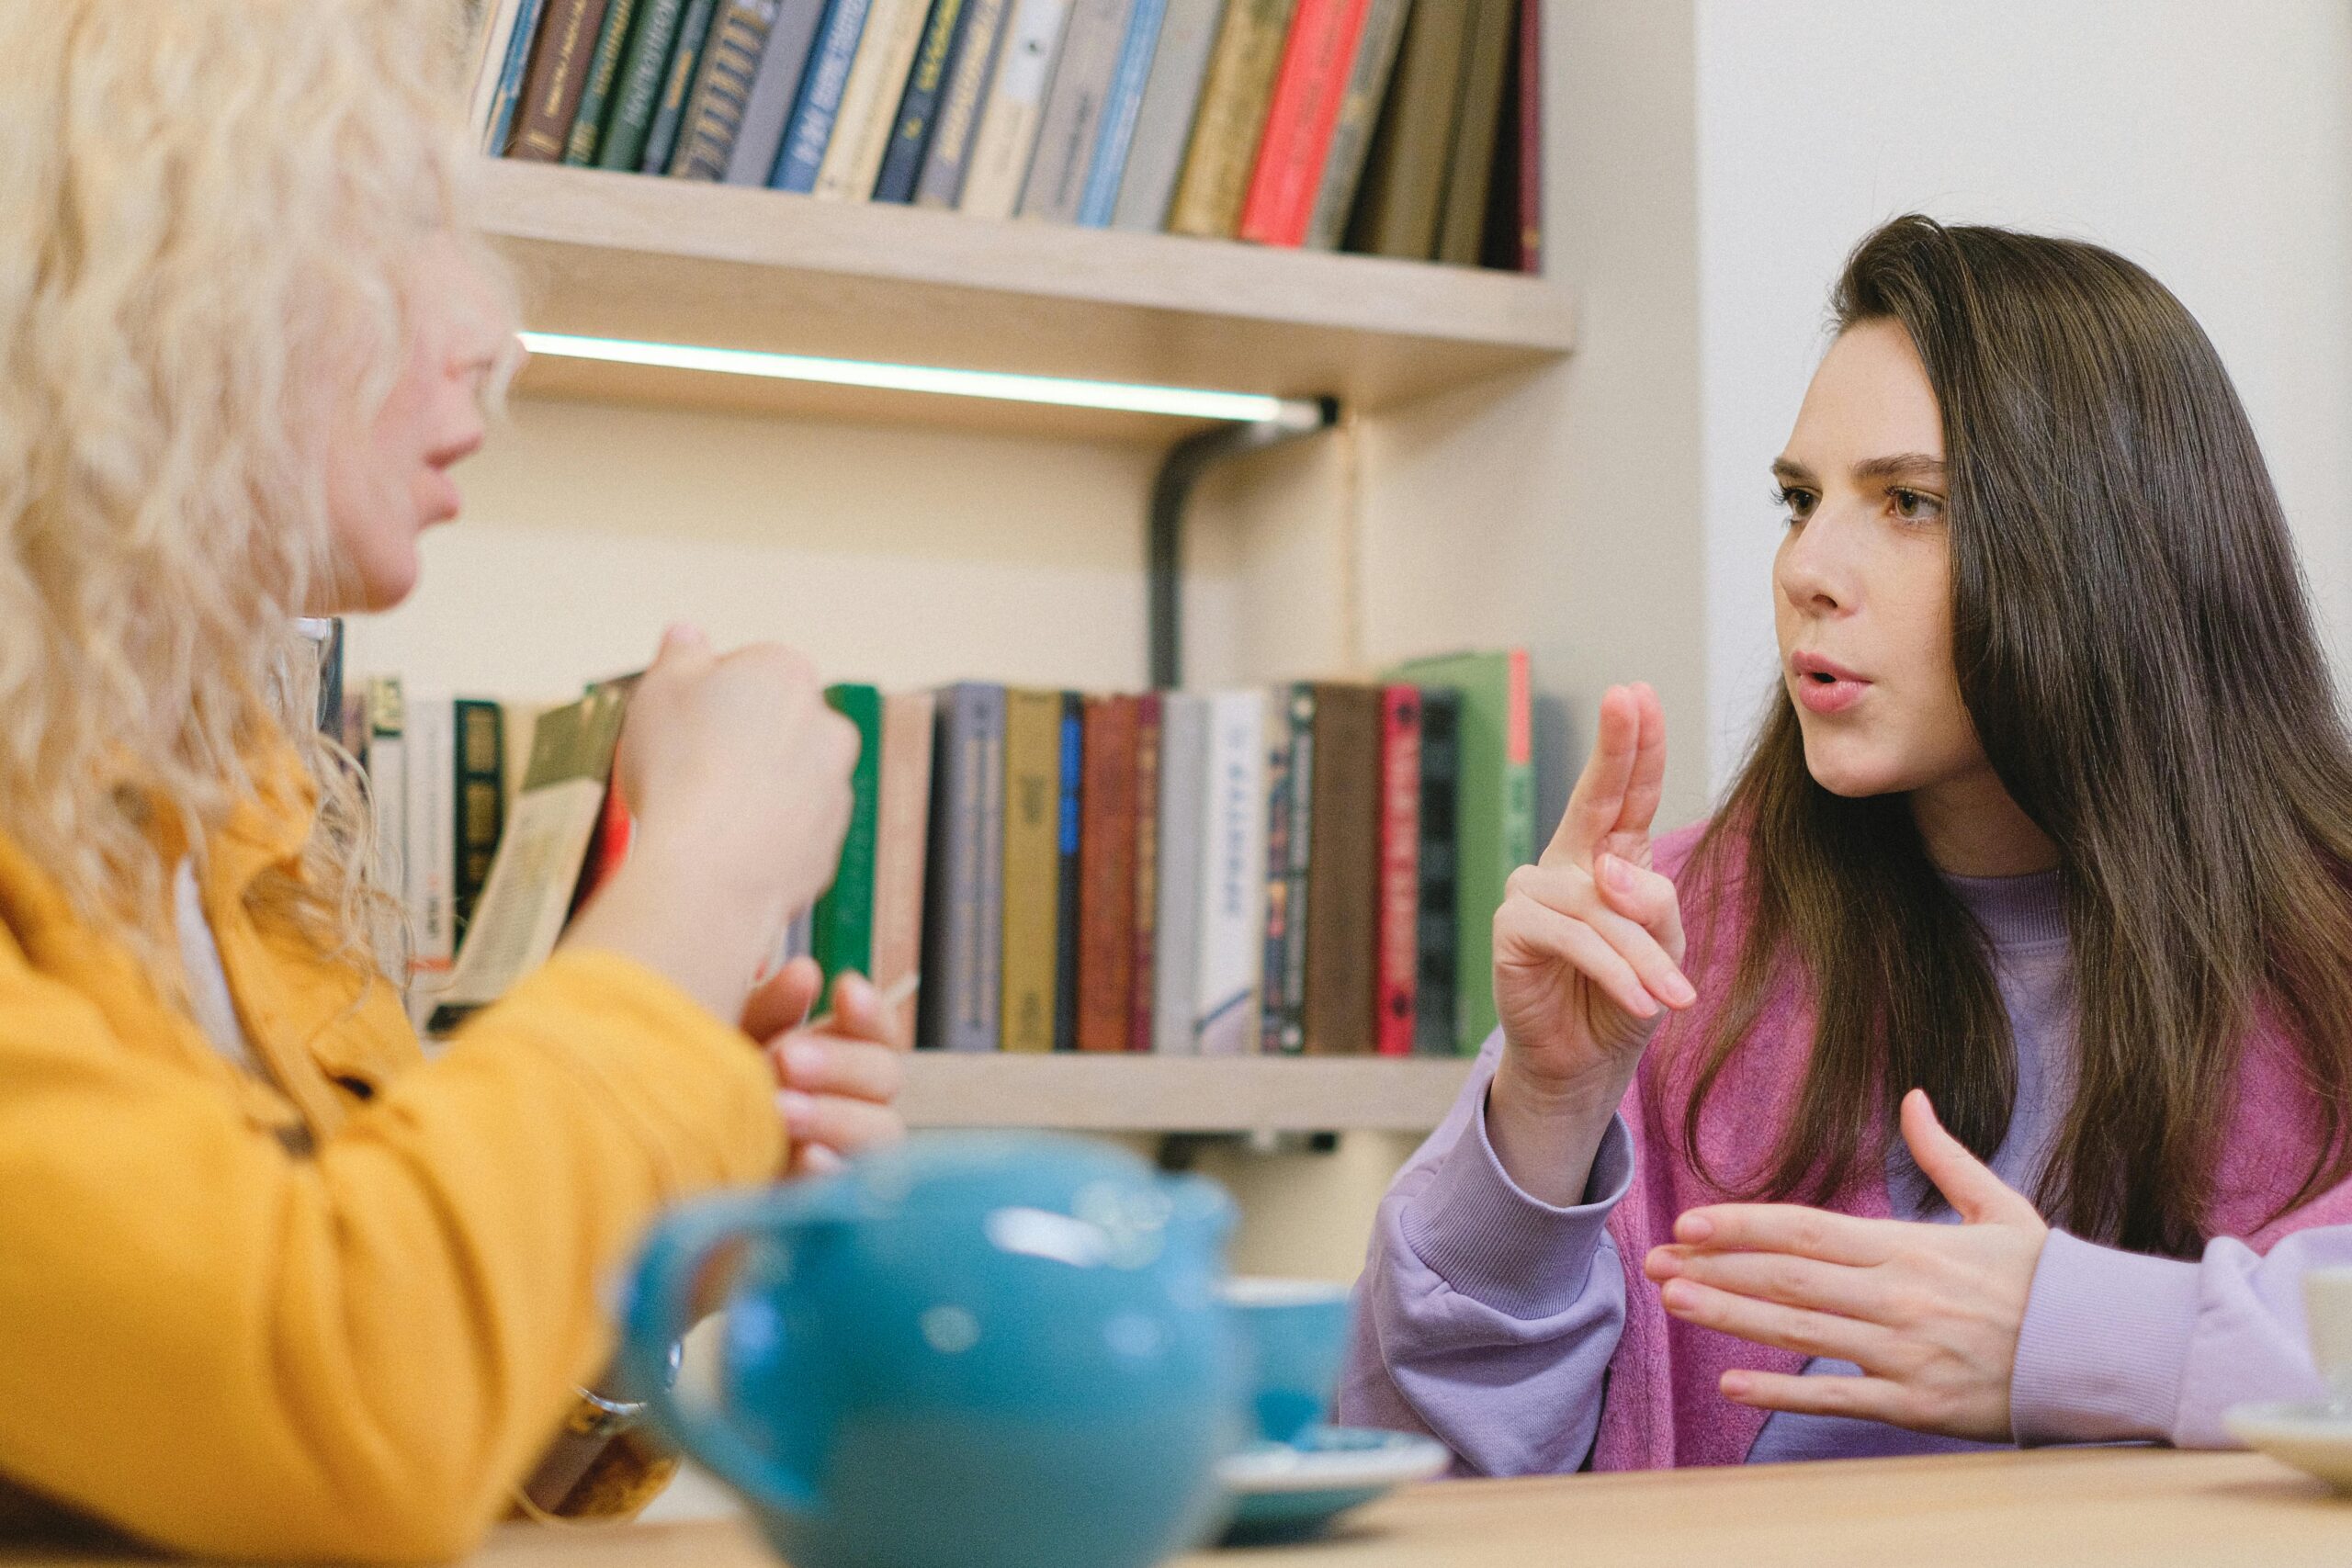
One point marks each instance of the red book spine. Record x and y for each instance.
(1146, 976)
(1400, 868)
(1308, 91)
(1531, 136)
(1106, 871)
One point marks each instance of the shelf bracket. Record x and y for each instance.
(1172, 497)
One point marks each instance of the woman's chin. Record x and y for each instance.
(1849, 772)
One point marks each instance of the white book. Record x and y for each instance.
(1007, 135)
(1183, 785)
(1233, 881)
(430, 867)
(869, 111)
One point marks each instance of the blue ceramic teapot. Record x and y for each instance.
(977, 1351)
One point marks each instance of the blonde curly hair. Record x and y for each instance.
(214, 211)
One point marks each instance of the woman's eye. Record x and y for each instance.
(1797, 503)
(1916, 506)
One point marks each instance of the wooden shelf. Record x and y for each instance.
(1181, 1094)
(675, 261)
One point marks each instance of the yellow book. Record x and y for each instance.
(1033, 764)
(1232, 116)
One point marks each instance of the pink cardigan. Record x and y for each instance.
(1662, 1406)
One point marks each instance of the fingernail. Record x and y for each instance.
(796, 1109)
(1694, 1229)
(1661, 1264)
(1679, 991)
(1735, 1385)
(804, 1058)
(1612, 873)
(820, 1161)
(1678, 1295)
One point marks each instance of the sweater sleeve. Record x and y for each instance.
(2120, 1348)
(1484, 1317)
(232, 1348)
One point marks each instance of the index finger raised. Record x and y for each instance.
(1598, 799)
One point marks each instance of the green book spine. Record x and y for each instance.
(1495, 813)
(639, 93)
(844, 937)
(604, 70)
(685, 62)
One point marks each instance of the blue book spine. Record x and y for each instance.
(510, 76)
(1101, 198)
(810, 130)
(911, 135)
(663, 140)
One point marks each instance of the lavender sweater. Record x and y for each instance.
(1488, 1319)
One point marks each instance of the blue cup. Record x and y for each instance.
(971, 1351)
(1297, 1334)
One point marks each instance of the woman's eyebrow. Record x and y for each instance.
(1902, 466)
(1788, 470)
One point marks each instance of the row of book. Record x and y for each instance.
(1310, 869)
(1404, 128)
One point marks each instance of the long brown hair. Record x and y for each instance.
(2134, 646)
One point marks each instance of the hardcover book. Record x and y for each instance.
(1494, 813)
(1226, 1004)
(1033, 761)
(869, 108)
(558, 75)
(532, 878)
(1404, 178)
(1286, 961)
(1470, 168)
(809, 133)
(604, 74)
(959, 121)
(1183, 796)
(1300, 117)
(1068, 849)
(1232, 115)
(1073, 111)
(1343, 872)
(1008, 134)
(1375, 60)
(1164, 120)
(637, 93)
(1144, 998)
(902, 818)
(1434, 1020)
(482, 800)
(1106, 913)
(963, 913)
(506, 55)
(918, 109)
(677, 86)
(1115, 136)
(1397, 942)
(730, 60)
(782, 62)
(845, 912)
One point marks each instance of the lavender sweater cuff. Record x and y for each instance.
(1477, 1230)
(2103, 1347)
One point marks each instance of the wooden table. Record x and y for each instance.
(2077, 1508)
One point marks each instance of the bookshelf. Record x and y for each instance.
(621, 255)
(1107, 1093)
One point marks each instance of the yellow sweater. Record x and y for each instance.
(340, 1314)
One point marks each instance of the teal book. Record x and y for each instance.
(1494, 813)
(637, 96)
(677, 86)
(844, 936)
(604, 74)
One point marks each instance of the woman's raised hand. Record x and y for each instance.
(739, 777)
(1588, 959)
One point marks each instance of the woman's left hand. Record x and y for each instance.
(1930, 1312)
(839, 1080)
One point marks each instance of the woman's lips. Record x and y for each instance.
(1824, 687)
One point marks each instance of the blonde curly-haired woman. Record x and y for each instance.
(271, 1284)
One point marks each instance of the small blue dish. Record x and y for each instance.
(1288, 1492)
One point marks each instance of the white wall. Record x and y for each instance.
(2209, 140)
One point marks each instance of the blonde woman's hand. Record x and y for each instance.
(1929, 1312)
(839, 1080)
(737, 776)
(1588, 959)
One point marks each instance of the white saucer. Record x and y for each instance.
(1289, 1491)
(2316, 1438)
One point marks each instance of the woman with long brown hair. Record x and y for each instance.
(2001, 1088)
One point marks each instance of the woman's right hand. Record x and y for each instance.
(1588, 959)
(734, 760)
(738, 776)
